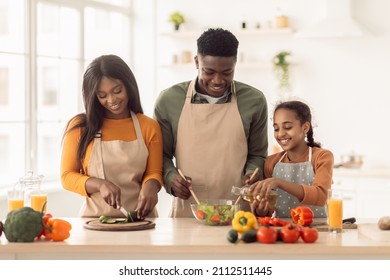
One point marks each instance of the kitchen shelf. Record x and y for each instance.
(174, 59)
(241, 32)
(240, 65)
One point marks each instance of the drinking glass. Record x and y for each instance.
(38, 198)
(15, 199)
(335, 210)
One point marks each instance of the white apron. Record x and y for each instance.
(122, 163)
(298, 173)
(212, 149)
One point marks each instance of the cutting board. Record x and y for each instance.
(373, 232)
(324, 227)
(97, 225)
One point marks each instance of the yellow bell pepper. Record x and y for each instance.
(244, 221)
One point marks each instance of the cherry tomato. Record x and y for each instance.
(215, 219)
(309, 235)
(45, 219)
(266, 234)
(289, 233)
(200, 214)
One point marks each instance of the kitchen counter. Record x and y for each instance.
(186, 238)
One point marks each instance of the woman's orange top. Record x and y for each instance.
(122, 129)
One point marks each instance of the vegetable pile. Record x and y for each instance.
(26, 225)
(247, 228)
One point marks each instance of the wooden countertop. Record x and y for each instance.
(186, 238)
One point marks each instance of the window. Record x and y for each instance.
(44, 48)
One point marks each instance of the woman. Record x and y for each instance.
(112, 153)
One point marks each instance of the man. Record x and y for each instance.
(214, 128)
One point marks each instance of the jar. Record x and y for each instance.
(281, 22)
(29, 184)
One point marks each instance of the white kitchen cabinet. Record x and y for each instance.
(348, 186)
(367, 193)
(373, 199)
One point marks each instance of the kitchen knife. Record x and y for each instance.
(345, 221)
(124, 212)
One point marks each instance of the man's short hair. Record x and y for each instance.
(217, 42)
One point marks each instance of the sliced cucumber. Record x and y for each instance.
(121, 220)
(111, 221)
(103, 219)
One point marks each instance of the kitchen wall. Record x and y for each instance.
(345, 80)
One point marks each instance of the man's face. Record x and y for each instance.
(215, 74)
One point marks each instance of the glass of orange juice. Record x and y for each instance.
(335, 210)
(15, 199)
(38, 199)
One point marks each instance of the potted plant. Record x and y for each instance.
(177, 19)
(282, 69)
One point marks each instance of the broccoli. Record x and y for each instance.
(23, 225)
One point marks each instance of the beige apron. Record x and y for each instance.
(122, 163)
(211, 149)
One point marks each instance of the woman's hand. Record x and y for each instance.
(148, 198)
(110, 193)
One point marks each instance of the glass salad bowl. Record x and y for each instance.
(215, 212)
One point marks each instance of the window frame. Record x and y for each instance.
(31, 71)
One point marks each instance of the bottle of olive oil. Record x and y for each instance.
(244, 193)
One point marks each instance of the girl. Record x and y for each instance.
(302, 173)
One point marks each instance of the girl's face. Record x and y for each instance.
(113, 96)
(288, 130)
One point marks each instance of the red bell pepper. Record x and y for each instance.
(45, 218)
(268, 221)
(302, 215)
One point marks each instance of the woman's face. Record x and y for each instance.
(215, 74)
(113, 96)
(288, 130)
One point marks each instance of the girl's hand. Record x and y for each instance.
(261, 191)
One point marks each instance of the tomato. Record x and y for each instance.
(45, 219)
(200, 214)
(215, 219)
(266, 234)
(309, 235)
(289, 233)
